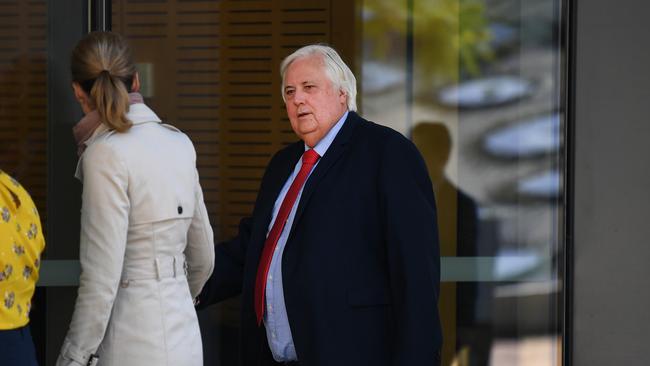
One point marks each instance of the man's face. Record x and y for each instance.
(313, 104)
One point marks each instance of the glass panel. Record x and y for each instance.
(66, 24)
(476, 85)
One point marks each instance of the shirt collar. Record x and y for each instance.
(324, 144)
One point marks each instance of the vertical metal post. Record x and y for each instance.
(568, 47)
(409, 67)
(99, 15)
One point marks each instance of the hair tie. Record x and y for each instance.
(108, 73)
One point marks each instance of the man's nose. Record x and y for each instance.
(298, 97)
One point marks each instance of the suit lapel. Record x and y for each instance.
(334, 152)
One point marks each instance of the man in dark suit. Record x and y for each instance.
(339, 263)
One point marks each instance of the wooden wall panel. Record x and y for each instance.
(23, 95)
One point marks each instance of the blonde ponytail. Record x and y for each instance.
(112, 101)
(103, 66)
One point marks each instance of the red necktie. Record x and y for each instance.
(309, 159)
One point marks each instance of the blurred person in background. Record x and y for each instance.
(469, 338)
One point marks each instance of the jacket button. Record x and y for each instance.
(180, 210)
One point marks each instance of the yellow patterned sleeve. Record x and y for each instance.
(21, 245)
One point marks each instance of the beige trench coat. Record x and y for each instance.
(146, 249)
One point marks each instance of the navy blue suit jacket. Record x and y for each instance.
(361, 266)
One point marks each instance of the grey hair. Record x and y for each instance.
(336, 70)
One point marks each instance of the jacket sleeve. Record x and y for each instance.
(230, 256)
(199, 251)
(411, 235)
(227, 277)
(104, 226)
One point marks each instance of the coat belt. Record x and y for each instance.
(158, 268)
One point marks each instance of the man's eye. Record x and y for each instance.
(289, 92)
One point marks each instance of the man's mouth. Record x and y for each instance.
(302, 114)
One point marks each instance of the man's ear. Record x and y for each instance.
(135, 84)
(343, 96)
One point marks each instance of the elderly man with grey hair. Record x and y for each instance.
(338, 264)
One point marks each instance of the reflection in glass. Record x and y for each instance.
(457, 225)
(544, 185)
(485, 92)
(476, 85)
(526, 138)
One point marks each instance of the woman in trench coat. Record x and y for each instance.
(146, 246)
